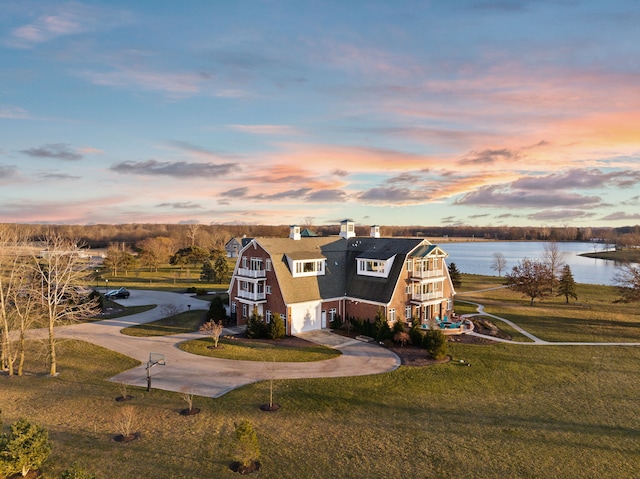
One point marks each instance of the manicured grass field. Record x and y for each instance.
(252, 351)
(519, 411)
(594, 317)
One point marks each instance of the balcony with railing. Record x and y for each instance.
(426, 273)
(426, 296)
(252, 296)
(252, 273)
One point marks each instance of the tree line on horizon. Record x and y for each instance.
(214, 237)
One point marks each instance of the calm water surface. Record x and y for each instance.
(476, 258)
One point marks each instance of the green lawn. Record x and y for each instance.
(257, 351)
(185, 322)
(594, 317)
(519, 411)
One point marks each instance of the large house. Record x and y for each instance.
(310, 279)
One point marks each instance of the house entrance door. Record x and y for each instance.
(324, 320)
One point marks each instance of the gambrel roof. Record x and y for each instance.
(340, 255)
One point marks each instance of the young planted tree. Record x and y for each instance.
(530, 277)
(24, 449)
(499, 263)
(455, 275)
(124, 422)
(246, 450)
(567, 285)
(59, 280)
(213, 329)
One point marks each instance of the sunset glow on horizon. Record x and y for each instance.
(472, 113)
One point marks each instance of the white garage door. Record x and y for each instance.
(305, 317)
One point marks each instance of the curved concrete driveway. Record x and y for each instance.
(213, 377)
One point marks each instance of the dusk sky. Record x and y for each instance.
(456, 112)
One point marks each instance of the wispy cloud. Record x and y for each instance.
(71, 18)
(14, 113)
(181, 205)
(504, 196)
(561, 215)
(266, 129)
(58, 151)
(174, 84)
(177, 169)
(621, 215)
(7, 173)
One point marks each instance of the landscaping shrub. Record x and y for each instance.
(256, 327)
(336, 322)
(435, 342)
(276, 327)
(416, 334)
(381, 327)
(217, 311)
(24, 449)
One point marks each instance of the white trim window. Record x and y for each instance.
(407, 313)
(407, 289)
(267, 264)
(267, 316)
(392, 315)
(244, 310)
(332, 314)
(379, 268)
(267, 289)
(314, 267)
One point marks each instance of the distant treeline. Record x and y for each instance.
(216, 236)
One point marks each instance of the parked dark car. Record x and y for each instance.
(118, 293)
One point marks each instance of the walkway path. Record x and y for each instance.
(212, 377)
(535, 340)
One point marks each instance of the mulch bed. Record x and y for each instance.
(409, 355)
(190, 412)
(124, 439)
(250, 469)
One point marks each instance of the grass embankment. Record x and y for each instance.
(257, 351)
(519, 411)
(594, 317)
(622, 255)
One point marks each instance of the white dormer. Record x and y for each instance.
(294, 232)
(377, 267)
(347, 229)
(375, 231)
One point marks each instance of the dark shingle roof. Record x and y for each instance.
(340, 276)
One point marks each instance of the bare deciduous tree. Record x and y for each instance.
(499, 263)
(214, 329)
(554, 259)
(60, 277)
(124, 421)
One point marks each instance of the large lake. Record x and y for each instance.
(476, 258)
